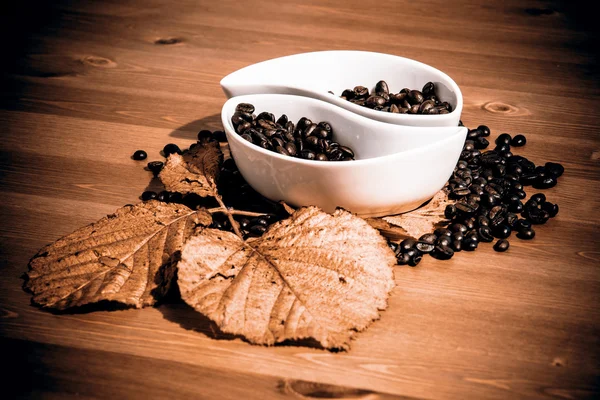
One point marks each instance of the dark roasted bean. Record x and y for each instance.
(245, 108)
(282, 150)
(550, 208)
(485, 234)
(502, 231)
(470, 244)
(526, 233)
(554, 169)
(171, 148)
(308, 154)
(148, 195)
(155, 167)
(504, 138)
(403, 259)
(546, 182)
(518, 141)
(321, 157)
(407, 244)
(139, 155)
(257, 229)
(220, 136)
(442, 232)
(163, 196)
(456, 227)
(485, 131)
(415, 259)
(501, 245)
(442, 252)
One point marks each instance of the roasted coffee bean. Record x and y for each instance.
(407, 244)
(439, 232)
(220, 136)
(485, 234)
(442, 252)
(537, 216)
(539, 198)
(163, 196)
(381, 87)
(501, 245)
(308, 154)
(528, 179)
(457, 245)
(443, 240)
(290, 147)
(245, 108)
(473, 134)
(554, 169)
(526, 233)
(518, 141)
(155, 167)
(321, 157)
(415, 260)
(282, 150)
(265, 115)
(244, 223)
(312, 141)
(457, 227)
(403, 259)
(257, 230)
(504, 138)
(550, 208)
(485, 131)
(171, 148)
(470, 244)
(546, 182)
(139, 155)
(283, 120)
(240, 118)
(428, 238)
(502, 231)
(502, 148)
(466, 208)
(424, 248)
(516, 206)
(482, 220)
(148, 195)
(428, 89)
(247, 137)
(412, 251)
(361, 91)
(205, 134)
(481, 143)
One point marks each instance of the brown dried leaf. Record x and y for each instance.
(196, 171)
(422, 220)
(124, 257)
(313, 275)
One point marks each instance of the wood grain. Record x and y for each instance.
(88, 83)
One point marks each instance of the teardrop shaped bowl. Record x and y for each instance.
(397, 168)
(316, 74)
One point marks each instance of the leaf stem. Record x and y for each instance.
(235, 212)
(234, 224)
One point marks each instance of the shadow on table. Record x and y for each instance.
(175, 310)
(190, 130)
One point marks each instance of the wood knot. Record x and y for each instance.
(499, 108)
(536, 12)
(315, 390)
(98, 62)
(558, 362)
(168, 41)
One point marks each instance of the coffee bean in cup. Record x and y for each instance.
(305, 139)
(407, 101)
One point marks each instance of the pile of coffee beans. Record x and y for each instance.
(407, 101)
(489, 189)
(234, 190)
(305, 139)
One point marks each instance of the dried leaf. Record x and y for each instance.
(422, 220)
(124, 257)
(196, 171)
(313, 275)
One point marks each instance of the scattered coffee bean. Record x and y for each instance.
(518, 141)
(501, 245)
(139, 155)
(155, 167)
(171, 148)
(148, 195)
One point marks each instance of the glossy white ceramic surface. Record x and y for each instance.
(314, 74)
(397, 167)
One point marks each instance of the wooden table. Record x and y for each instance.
(87, 83)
